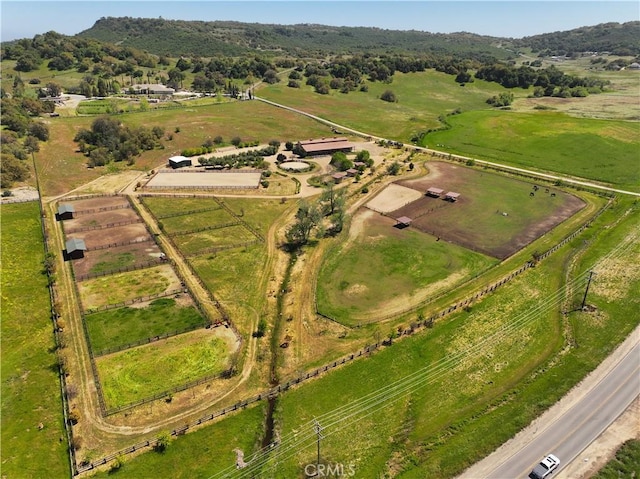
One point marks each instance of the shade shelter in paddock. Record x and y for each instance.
(452, 196)
(65, 212)
(434, 192)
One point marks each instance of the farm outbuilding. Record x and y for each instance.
(403, 222)
(75, 248)
(352, 172)
(179, 161)
(326, 146)
(434, 192)
(452, 196)
(65, 212)
(339, 176)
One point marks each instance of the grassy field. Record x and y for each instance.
(162, 206)
(63, 168)
(625, 464)
(196, 243)
(118, 327)
(387, 264)
(177, 224)
(120, 287)
(141, 372)
(422, 98)
(600, 150)
(30, 386)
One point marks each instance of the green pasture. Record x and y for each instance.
(30, 385)
(201, 453)
(195, 243)
(118, 327)
(177, 224)
(141, 372)
(167, 206)
(120, 287)
(386, 264)
(233, 275)
(599, 150)
(422, 98)
(258, 213)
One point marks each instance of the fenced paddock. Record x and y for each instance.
(166, 179)
(393, 197)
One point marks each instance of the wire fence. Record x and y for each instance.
(151, 339)
(101, 210)
(118, 244)
(140, 299)
(103, 227)
(206, 228)
(134, 267)
(186, 213)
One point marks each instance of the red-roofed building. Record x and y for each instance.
(326, 146)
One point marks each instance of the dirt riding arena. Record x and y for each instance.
(393, 197)
(494, 215)
(204, 179)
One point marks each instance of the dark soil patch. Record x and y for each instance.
(494, 215)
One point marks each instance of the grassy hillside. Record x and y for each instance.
(179, 37)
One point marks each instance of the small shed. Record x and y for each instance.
(339, 176)
(352, 172)
(75, 248)
(434, 192)
(452, 196)
(179, 161)
(403, 222)
(65, 212)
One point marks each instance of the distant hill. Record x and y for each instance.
(180, 37)
(617, 38)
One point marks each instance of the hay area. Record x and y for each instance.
(393, 197)
(204, 179)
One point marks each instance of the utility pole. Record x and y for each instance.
(584, 299)
(318, 430)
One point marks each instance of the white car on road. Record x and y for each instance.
(546, 467)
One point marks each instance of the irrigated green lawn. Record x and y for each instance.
(600, 150)
(30, 385)
(118, 327)
(141, 372)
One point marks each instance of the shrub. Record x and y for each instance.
(389, 96)
(235, 141)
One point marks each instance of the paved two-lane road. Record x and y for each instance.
(571, 432)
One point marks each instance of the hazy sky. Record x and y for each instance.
(513, 18)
